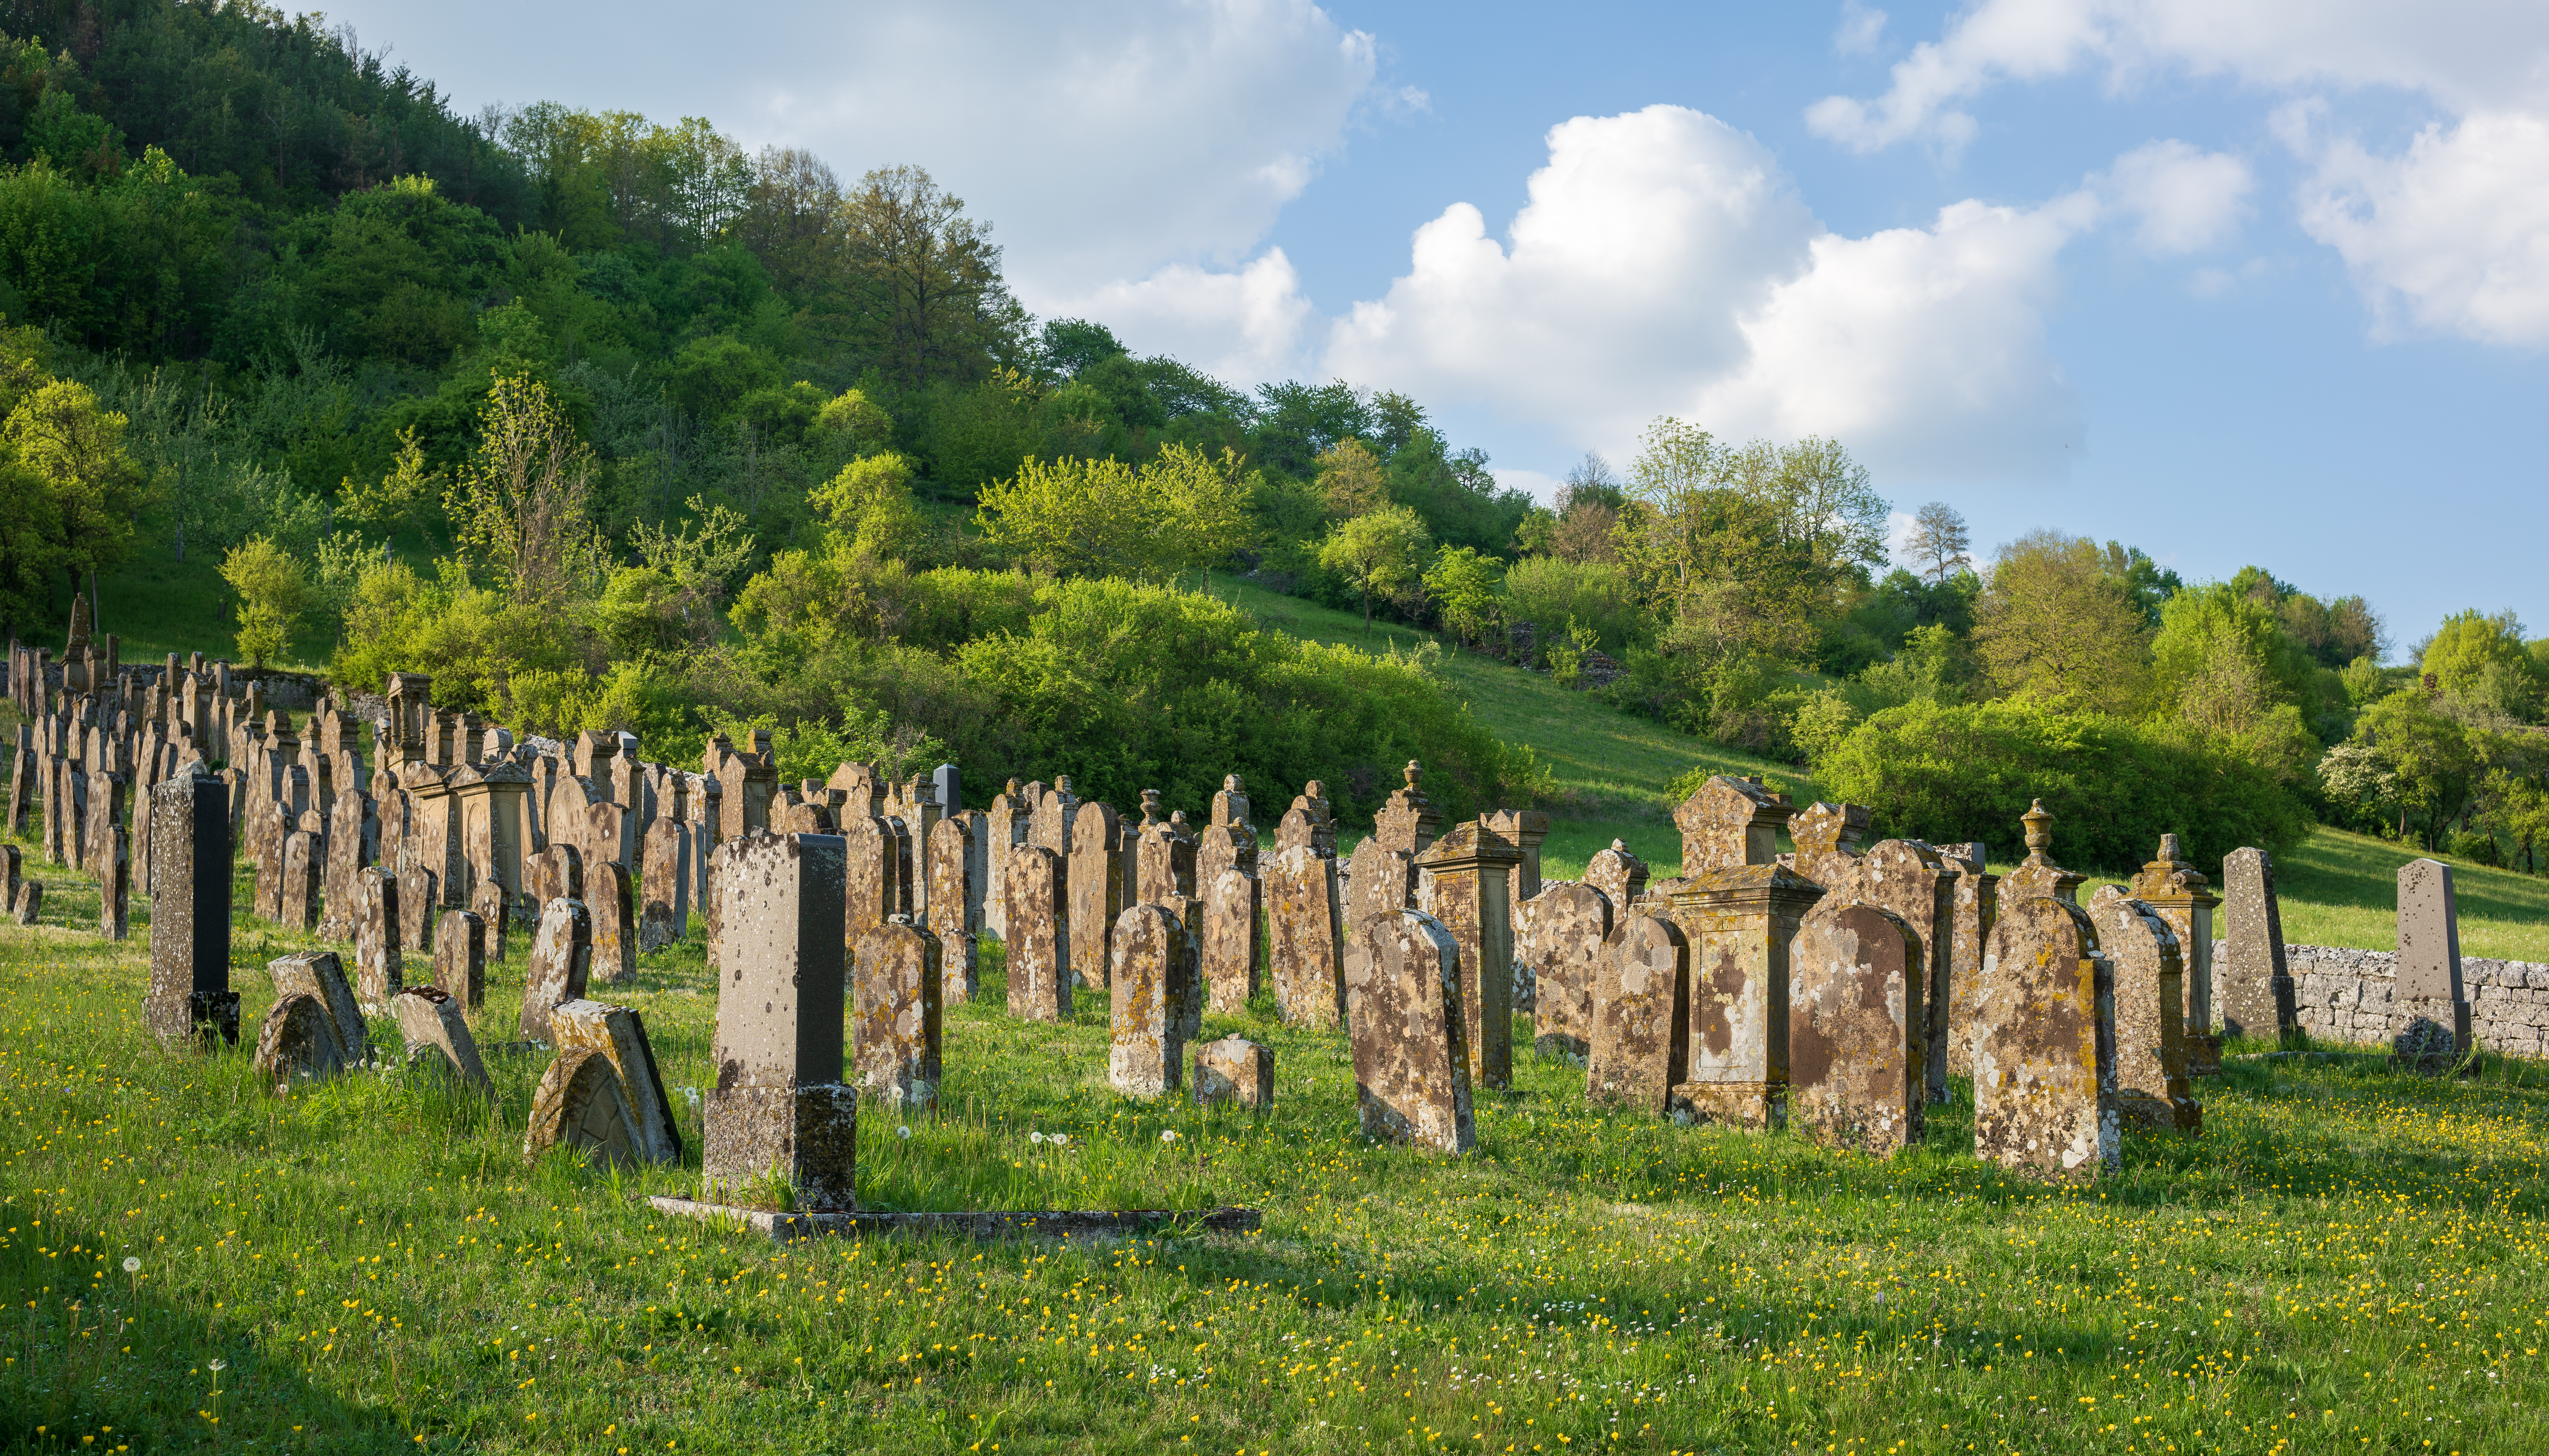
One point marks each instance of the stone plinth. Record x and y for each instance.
(1236, 1070)
(780, 1111)
(190, 998)
(1740, 924)
(1463, 879)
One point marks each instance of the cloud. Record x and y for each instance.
(2187, 199)
(1664, 264)
(1244, 325)
(1860, 29)
(2450, 235)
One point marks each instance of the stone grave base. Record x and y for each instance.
(2149, 1114)
(1050, 1224)
(1759, 1106)
(2202, 1054)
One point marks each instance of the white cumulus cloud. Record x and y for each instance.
(2187, 199)
(1244, 325)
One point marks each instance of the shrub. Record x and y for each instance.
(1551, 593)
(1958, 773)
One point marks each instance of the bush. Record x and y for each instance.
(1957, 773)
(1551, 593)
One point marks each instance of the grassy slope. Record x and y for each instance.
(156, 605)
(2348, 1260)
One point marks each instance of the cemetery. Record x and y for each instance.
(384, 1079)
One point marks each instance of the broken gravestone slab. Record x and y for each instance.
(620, 1035)
(560, 964)
(1236, 1070)
(297, 1044)
(582, 1104)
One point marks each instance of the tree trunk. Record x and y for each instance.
(1366, 611)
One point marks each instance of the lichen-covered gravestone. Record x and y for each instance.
(1856, 1037)
(190, 998)
(954, 906)
(1039, 985)
(297, 1044)
(1236, 1070)
(418, 896)
(582, 1104)
(780, 1111)
(619, 1034)
(2151, 1086)
(1462, 881)
(1410, 1054)
(1096, 887)
(321, 975)
(2044, 1054)
(1303, 945)
(2254, 981)
(2428, 1000)
(2182, 895)
(1728, 823)
(560, 963)
(1640, 1045)
(1740, 922)
(1383, 880)
(380, 968)
(1977, 910)
(896, 983)
(666, 913)
(304, 882)
(1558, 937)
(435, 1030)
(607, 899)
(460, 957)
(555, 873)
(348, 853)
(1156, 1001)
(494, 911)
(1913, 882)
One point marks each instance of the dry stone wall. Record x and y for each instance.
(2347, 995)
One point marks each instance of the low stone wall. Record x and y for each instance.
(2344, 996)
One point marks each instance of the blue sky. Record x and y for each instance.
(2232, 280)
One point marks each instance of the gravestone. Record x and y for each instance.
(1164, 857)
(1411, 1057)
(1039, 982)
(1977, 902)
(1913, 882)
(607, 900)
(1858, 1038)
(1728, 823)
(297, 1044)
(348, 851)
(12, 869)
(1739, 922)
(1303, 948)
(495, 912)
(460, 957)
(665, 915)
(1096, 880)
(2037, 875)
(2151, 1086)
(2428, 999)
(1379, 881)
(2182, 895)
(304, 882)
(954, 908)
(780, 1110)
(1558, 945)
(379, 963)
(560, 964)
(897, 985)
(1156, 1001)
(418, 898)
(2044, 1058)
(1828, 837)
(1640, 1046)
(2254, 981)
(1407, 821)
(1229, 940)
(1462, 882)
(321, 975)
(114, 885)
(1236, 1070)
(436, 1030)
(1619, 875)
(619, 1036)
(868, 897)
(555, 873)
(582, 1104)
(190, 997)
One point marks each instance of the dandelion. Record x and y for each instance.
(1036, 1138)
(903, 1131)
(1167, 1134)
(132, 1265)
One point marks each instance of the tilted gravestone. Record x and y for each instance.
(460, 957)
(607, 899)
(619, 1036)
(2044, 1053)
(1156, 1001)
(895, 1015)
(419, 897)
(1638, 1048)
(436, 1030)
(1236, 1070)
(1463, 882)
(380, 968)
(1303, 945)
(2254, 981)
(780, 1111)
(321, 975)
(296, 1043)
(1559, 938)
(2428, 1000)
(582, 1104)
(1039, 982)
(1411, 1056)
(560, 964)
(190, 996)
(1857, 1038)
(2152, 1085)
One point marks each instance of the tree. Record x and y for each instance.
(59, 433)
(2434, 763)
(939, 271)
(2481, 660)
(1379, 554)
(1938, 544)
(1463, 586)
(273, 592)
(2055, 627)
(1201, 503)
(408, 496)
(1350, 478)
(1714, 560)
(870, 509)
(523, 504)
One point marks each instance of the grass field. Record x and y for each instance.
(2349, 1260)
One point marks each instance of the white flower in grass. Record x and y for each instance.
(903, 1131)
(1036, 1138)
(1060, 1140)
(1167, 1134)
(132, 1265)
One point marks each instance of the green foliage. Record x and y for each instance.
(1180, 512)
(1380, 554)
(1958, 773)
(1463, 585)
(273, 591)
(2481, 660)
(1558, 597)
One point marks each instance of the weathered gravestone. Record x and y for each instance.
(436, 1030)
(2151, 1086)
(780, 1111)
(1913, 882)
(1827, 837)
(494, 911)
(114, 885)
(1977, 901)
(1379, 881)
(379, 963)
(1638, 1048)
(555, 873)
(2254, 981)
(2044, 1052)
(1303, 948)
(1164, 855)
(1462, 882)
(582, 1104)
(190, 997)
(1096, 879)
(1411, 1057)
(560, 964)
(320, 976)
(2181, 895)
(1229, 940)
(1740, 922)
(1621, 876)
(12, 869)
(460, 957)
(2037, 875)
(304, 882)
(348, 853)
(897, 984)
(607, 899)
(867, 895)
(418, 896)
(1857, 1038)
(1728, 823)
(1525, 830)
(28, 906)
(1039, 984)
(665, 915)
(618, 1034)
(1407, 821)
(1155, 1003)
(2428, 1000)
(296, 1043)
(1236, 1070)
(1557, 943)
(954, 905)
